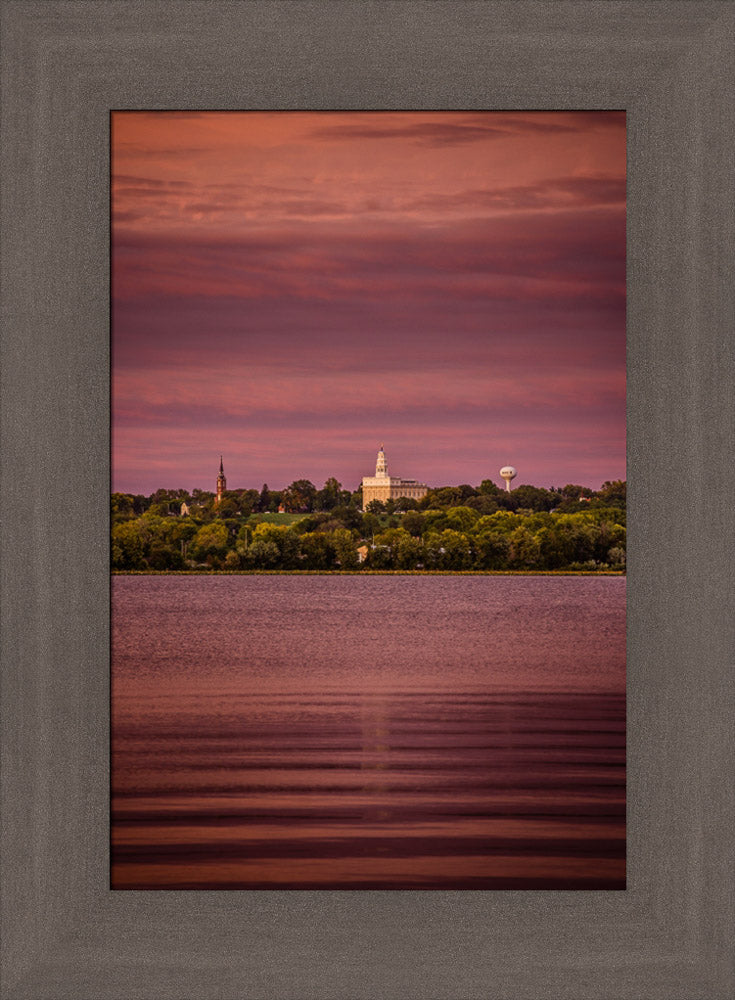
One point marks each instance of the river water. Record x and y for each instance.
(380, 732)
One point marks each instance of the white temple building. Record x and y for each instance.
(383, 487)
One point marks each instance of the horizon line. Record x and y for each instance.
(280, 489)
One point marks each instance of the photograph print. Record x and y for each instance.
(368, 510)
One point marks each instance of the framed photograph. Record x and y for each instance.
(664, 931)
(348, 678)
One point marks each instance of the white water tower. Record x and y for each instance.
(508, 473)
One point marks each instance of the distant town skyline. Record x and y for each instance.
(291, 290)
(257, 483)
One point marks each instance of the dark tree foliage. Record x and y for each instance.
(349, 516)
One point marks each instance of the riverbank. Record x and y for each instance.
(366, 572)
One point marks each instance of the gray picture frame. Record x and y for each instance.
(65, 934)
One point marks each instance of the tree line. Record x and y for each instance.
(452, 528)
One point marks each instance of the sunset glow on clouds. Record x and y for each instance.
(293, 289)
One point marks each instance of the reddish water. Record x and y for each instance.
(368, 732)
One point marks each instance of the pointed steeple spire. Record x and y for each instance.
(221, 482)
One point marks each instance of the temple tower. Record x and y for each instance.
(221, 482)
(383, 487)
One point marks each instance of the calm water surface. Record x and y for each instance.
(368, 732)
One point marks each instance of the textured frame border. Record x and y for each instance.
(66, 64)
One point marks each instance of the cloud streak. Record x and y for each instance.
(464, 130)
(569, 254)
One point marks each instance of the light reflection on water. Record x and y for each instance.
(374, 732)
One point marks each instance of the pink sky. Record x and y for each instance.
(291, 290)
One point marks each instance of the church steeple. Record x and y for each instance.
(381, 466)
(221, 481)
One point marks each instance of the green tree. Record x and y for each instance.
(163, 557)
(262, 554)
(613, 494)
(462, 518)
(456, 553)
(210, 542)
(317, 551)
(616, 556)
(491, 550)
(435, 520)
(483, 503)
(533, 498)
(379, 557)
(330, 496)
(227, 507)
(383, 556)
(446, 496)
(285, 540)
(370, 525)
(140, 504)
(181, 534)
(121, 507)
(524, 550)
(502, 520)
(300, 496)
(243, 540)
(413, 523)
(345, 547)
(349, 516)
(572, 491)
(160, 508)
(232, 560)
(554, 547)
(247, 501)
(408, 551)
(128, 549)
